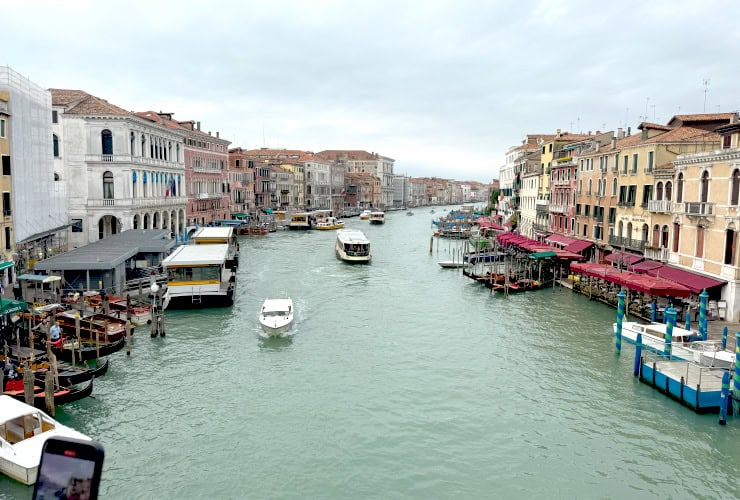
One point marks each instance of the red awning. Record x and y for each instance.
(578, 246)
(638, 282)
(560, 239)
(645, 266)
(693, 281)
(624, 258)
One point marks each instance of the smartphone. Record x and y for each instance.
(69, 468)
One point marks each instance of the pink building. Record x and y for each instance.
(206, 170)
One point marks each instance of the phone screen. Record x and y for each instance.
(69, 470)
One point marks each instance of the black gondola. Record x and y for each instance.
(85, 351)
(62, 395)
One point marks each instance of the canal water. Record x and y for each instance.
(401, 380)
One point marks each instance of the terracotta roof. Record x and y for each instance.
(653, 126)
(78, 102)
(351, 154)
(702, 117)
(684, 134)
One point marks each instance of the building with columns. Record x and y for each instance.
(121, 171)
(358, 161)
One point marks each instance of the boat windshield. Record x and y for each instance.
(24, 427)
(269, 314)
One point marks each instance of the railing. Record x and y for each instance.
(136, 202)
(660, 206)
(558, 208)
(648, 170)
(542, 228)
(659, 254)
(696, 208)
(139, 160)
(621, 241)
(561, 182)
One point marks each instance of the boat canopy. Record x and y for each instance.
(197, 255)
(39, 278)
(11, 408)
(543, 255)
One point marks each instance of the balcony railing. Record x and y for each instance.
(561, 209)
(648, 170)
(561, 182)
(659, 254)
(542, 228)
(695, 208)
(660, 206)
(169, 201)
(621, 241)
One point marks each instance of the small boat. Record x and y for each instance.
(62, 395)
(365, 214)
(377, 217)
(141, 313)
(23, 432)
(85, 350)
(330, 223)
(409, 213)
(352, 246)
(451, 264)
(276, 316)
(108, 328)
(474, 257)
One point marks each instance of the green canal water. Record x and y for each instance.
(401, 380)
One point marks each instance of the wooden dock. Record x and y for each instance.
(698, 387)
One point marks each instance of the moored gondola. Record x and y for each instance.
(62, 395)
(85, 350)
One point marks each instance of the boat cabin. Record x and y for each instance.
(19, 421)
(300, 220)
(678, 336)
(199, 273)
(377, 217)
(225, 235)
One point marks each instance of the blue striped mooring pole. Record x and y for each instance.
(724, 395)
(670, 323)
(724, 338)
(620, 318)
(638, 354)
(736, 381)
(703, 298)
(652, 312)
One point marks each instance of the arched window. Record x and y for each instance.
(169, 151)
(735, 187)
(659, 191)
(668, 190)
(590, 185)
(700, 241)
(645, 232)
(704, 187)
(614, 187)
(664, 237)
(177, 151)
(656, 236)
(133, 143)
(133, 185)
(108, 185)
(143, 146)
(620, 229)
(730, 243)
(107, 139)
(679, 191)
(55, 140)
(629, 231)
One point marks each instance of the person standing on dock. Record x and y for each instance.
(54, 331)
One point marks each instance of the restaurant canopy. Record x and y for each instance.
(646, 284)
(645, 266)
(8, 306)
(624, 258)
(578, 246)
(693, 281)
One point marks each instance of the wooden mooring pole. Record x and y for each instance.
(128, 338)
(28, 383)
(49, 392)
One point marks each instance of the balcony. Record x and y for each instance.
(659, 254)
(560, 209)
(622, 242)
(134, 203)
(138, 160)
(660, 206)
(695, 208)
(561, 182)
(541, 228)
(208, 196)
(648, 170)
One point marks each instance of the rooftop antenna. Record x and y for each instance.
(263, 136)
(705, 83)
(647, 102)
(626, 117)
(653, 106)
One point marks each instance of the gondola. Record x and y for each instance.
(85, 350)
(75, 374)
(62, 395)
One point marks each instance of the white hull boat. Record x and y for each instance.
(352, 246)
(23, 432)
(451, 264)
(683, 344)
(276, 316)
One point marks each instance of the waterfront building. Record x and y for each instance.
(318, 176)
(571, 177)
(528, 222)
(299, 184)
(284, 186)
(338, 189)
(418, 192)
(206, 174)
(703, 216)
(34, 215)
(359, 161)
(363, 189)
(122, 171)
(7, 243)
(401, 191)
(510, 175)
(241, 181)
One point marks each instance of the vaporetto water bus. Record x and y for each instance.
(352, 246)
(220, 236)
(300, 220)
(198, 276)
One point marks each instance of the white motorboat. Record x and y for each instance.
(451, 264)
(377, 217)
(276, 316)
(23, 432)
(365, 214)
(684, 345)
(352, 246)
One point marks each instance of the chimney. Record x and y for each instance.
(629, 131)
(620, 133)
(557, 132)
(198, 125)
(217, 134)
(614, 140)
(209, 132)
(589, 132)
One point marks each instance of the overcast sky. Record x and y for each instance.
(444, 88)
